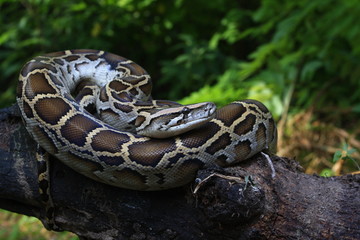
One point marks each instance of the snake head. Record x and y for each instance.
(173, 121)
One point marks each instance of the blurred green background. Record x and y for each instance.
(301, 58)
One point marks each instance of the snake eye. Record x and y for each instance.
(185, 110)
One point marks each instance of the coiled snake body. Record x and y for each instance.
(63, 126)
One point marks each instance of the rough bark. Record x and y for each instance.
(293, 205)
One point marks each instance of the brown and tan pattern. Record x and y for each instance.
(120, 155)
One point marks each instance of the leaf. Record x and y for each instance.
(337, 156)
(327, 173)
(309, 69)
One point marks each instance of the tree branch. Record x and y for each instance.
(293, 205)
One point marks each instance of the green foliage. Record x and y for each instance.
(145, 31)
(196, 62)
(307, 51)
(327, 173)
(346, 154)
(283, 53)
(16, 227)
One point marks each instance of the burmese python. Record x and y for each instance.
(55, 95)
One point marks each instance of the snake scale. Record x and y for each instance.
(74, 125)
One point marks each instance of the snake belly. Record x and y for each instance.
(123, 159)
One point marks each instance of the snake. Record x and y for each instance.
(93, 111)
